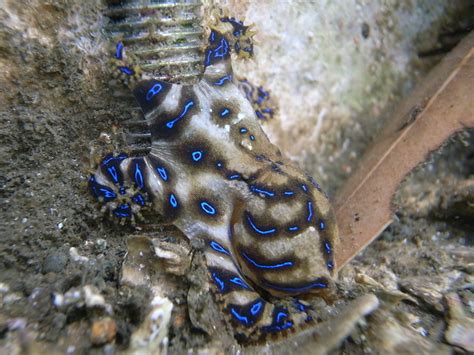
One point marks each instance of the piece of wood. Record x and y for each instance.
(441, 105)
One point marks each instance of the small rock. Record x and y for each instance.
(152, 335)
(74, 254)
(54, 262)
(100, 245)
(103, 331)
(430, 289)
(460, 327)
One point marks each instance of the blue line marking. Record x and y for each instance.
(119, 50)
(138, 199)
(243, 130)
(234, 176)
(187, 106)
(113, 174)
(212, 37)
(238, 281)
(126, 70)
(304, 188)
(218, 282)
(173, 201)
(224, 113)
(208, 208)
(322, 225)
(219, 165)
(252, 137)
(288, 193)
(155, 90)
(163, 173)
(239, 317)
(284, 264)
(330, 265)
(197, 155)
(219, 248)
(293, 228)
(110, 158)
(256, 189)
(107, 193)
(139, 177)
(222, 80)
(123, 210)
(310, 211)
(327, 247)
(257, 229)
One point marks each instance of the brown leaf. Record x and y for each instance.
(440, 106)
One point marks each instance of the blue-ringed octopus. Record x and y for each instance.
(269, 230)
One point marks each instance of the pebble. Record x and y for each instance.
(103, 331)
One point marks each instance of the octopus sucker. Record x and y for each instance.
(268, 229)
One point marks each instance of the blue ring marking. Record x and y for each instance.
(282, 315)
(252, 137)
(330, 264)
(187, 106)
(139, 177)
(197, 155)
(239, 317)
(243, 130)
(304, 188)
(122, 190)
(224, 112)
(222, 80)
(113, 174)
(139, 199)
(123, 211)
(322, 225)
(219, 248)
(327, 247)
(285, 264)
(257, 229)
(126, 70)
(316, 284)
(288, 193)
(163, 173)
(233, 176)
(256, 308)
(208, 208)
(155, 90)
(258, 190)
(119, 50)
(238, 281)
(310, 211)
(222, 50)
(219, 283)
(293, 228)
(173, 201)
